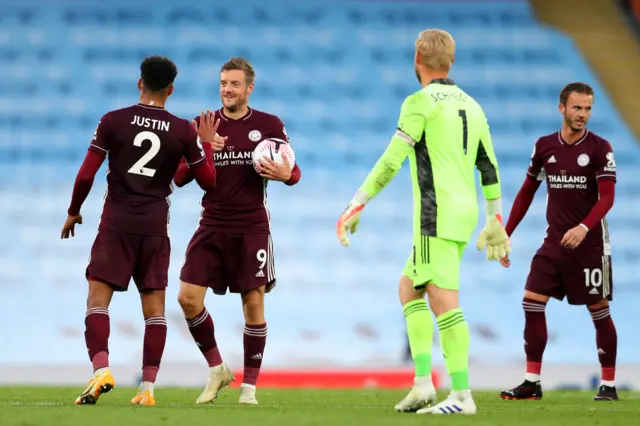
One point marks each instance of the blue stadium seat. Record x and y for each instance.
(336, 74)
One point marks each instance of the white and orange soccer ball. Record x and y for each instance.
(275, 149)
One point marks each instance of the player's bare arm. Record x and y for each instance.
(81, 189)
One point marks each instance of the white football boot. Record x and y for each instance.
(422, 394)
(460, 402)
(247, 394)
(219, 377)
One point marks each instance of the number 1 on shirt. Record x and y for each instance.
(465, 134)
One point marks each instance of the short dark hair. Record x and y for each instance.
(577, 87)
(238, 63)
(157, 73)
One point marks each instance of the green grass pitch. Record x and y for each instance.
(48, 406)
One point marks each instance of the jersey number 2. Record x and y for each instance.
(465, 131)
(139, 167)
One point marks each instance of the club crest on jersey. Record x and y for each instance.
(611, 161)
(583, 160)
(255, 135)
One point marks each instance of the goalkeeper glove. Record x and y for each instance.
(348, 221)
(494, 238)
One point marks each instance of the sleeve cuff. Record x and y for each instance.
(493, 207)
(491, 192)
(361, 197)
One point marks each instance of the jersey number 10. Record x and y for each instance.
(465, 131)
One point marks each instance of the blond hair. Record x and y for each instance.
(436, 49)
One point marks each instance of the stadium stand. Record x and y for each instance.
(336, 74)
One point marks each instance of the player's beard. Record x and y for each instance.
(240, 101)
(571, 125)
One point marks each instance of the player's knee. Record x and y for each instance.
(407, 292)
(153, 303)
(602, 304)
(442, 300)
(190, 306)
(191, 299)
(253, 307)
(536, 296)
(99, 295)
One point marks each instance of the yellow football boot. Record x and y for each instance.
(144, 398)
(101, 382)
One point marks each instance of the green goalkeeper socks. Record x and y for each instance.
(420, 331)
(454, 340)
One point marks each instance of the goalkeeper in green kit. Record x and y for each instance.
(445, 135)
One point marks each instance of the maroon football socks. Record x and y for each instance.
(96, 336)
(254, 339)
(535, 336)
(203, 332)
(607, 343)
(155, 337)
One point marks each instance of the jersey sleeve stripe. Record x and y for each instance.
(405, 137)
(488, 172)
(195, 162)
(605, 175)
(96, 146)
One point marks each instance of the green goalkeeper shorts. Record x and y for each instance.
(435, 261)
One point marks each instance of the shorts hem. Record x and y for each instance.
(225, 230)
(113, 285)
(133, 232)
(268, 287)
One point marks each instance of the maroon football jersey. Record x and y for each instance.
(572, 172)
(144, 145)
(239, 202)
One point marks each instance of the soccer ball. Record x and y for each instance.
(273, 148)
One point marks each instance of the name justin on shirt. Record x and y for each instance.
(150, 123)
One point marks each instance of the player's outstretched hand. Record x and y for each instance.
(217, 144)
(574, 237)
(494, 238)
(505, 261)
(207, 130)
(271, 170)
(348, 221)
(70, 226)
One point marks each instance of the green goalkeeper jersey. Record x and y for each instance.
(445, 134)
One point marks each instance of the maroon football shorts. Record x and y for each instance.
(118, 257)
(233, 261)
(583, 275)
